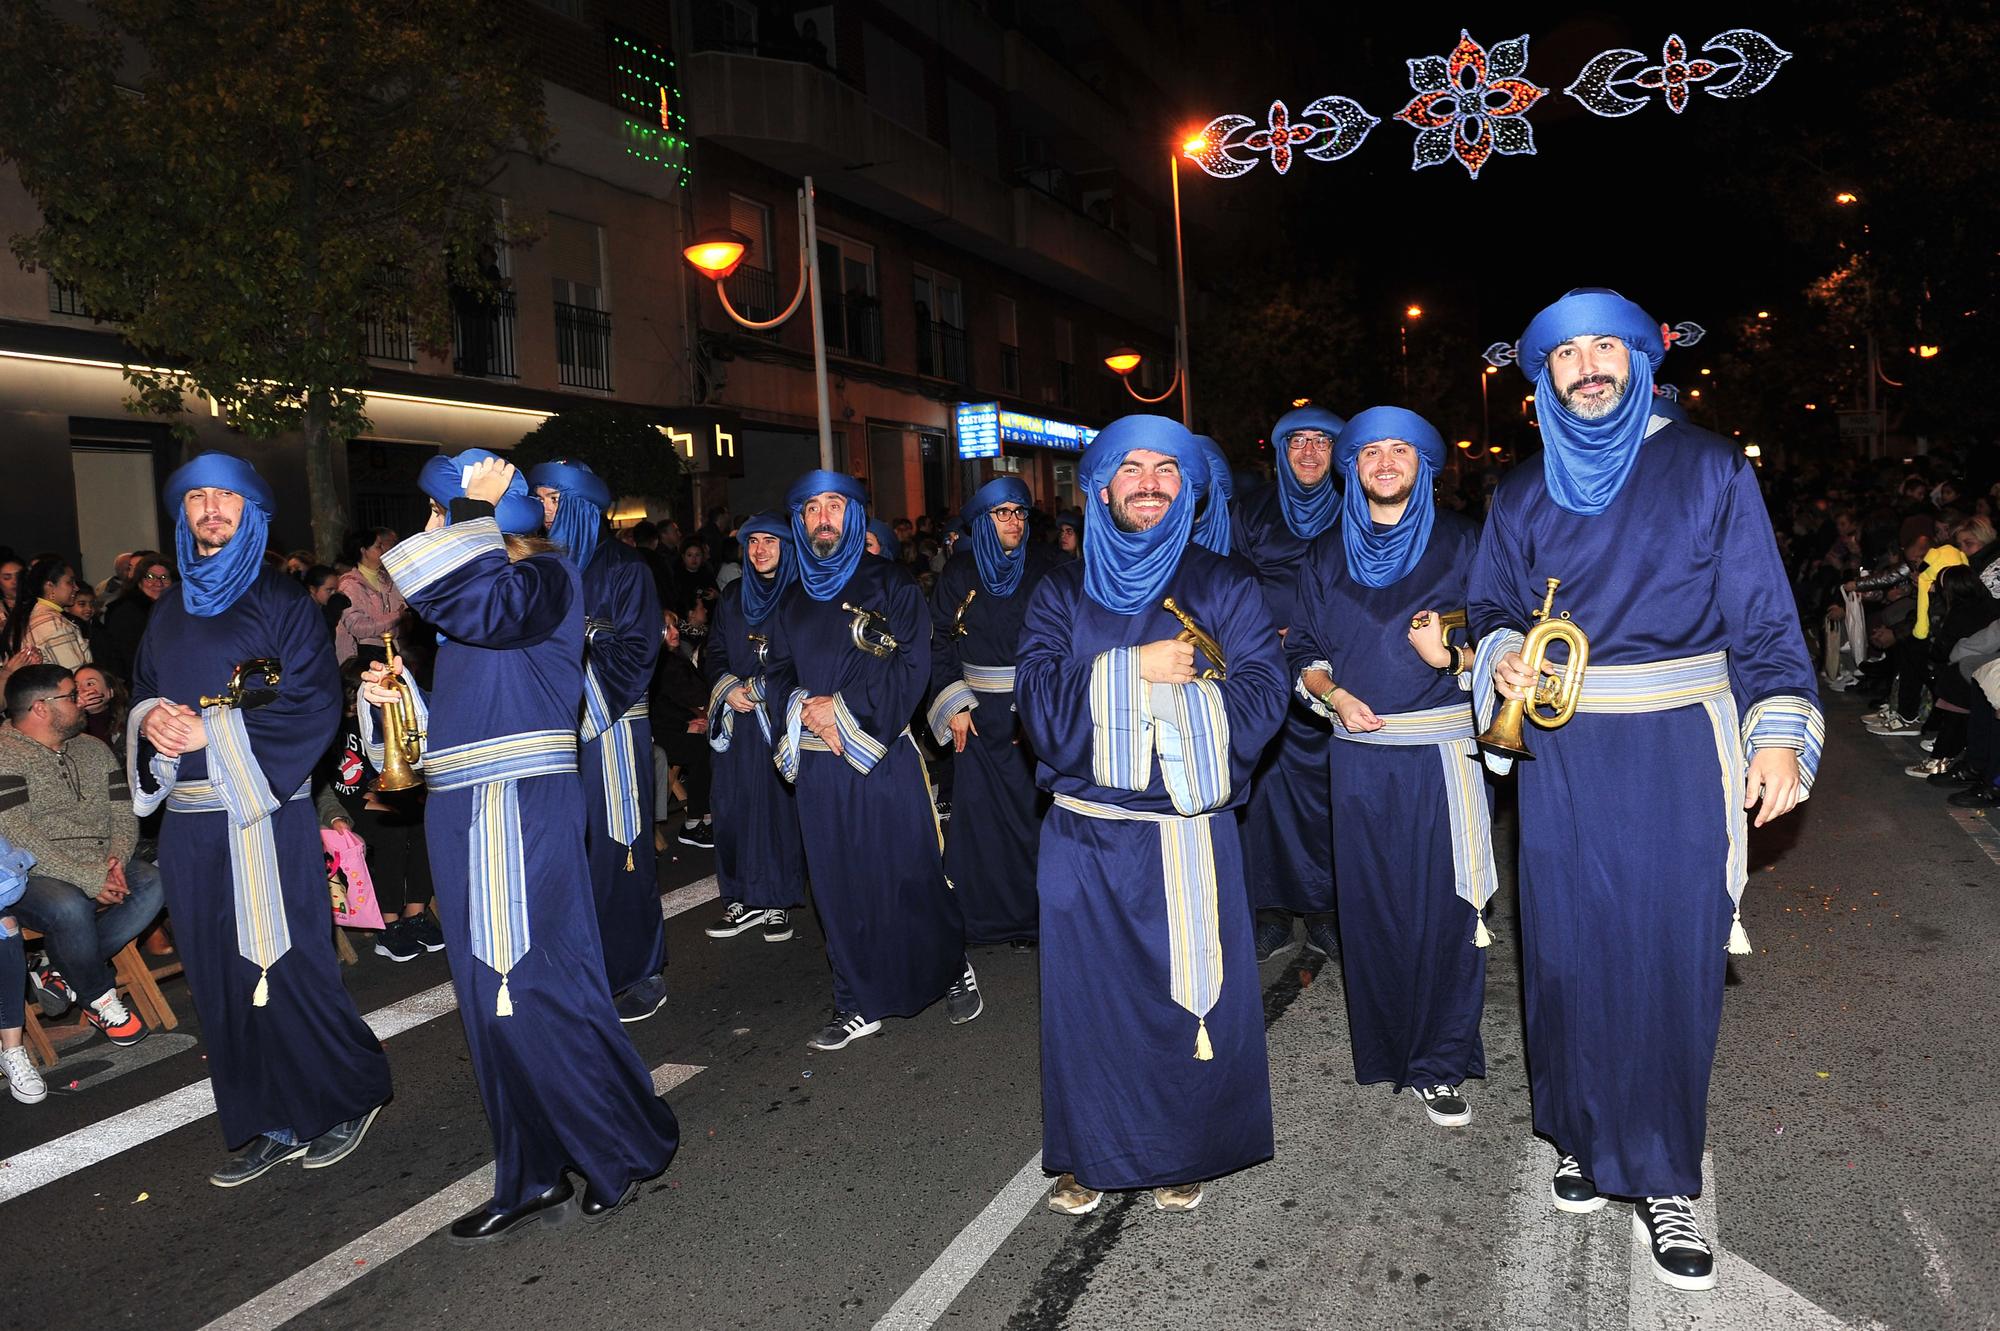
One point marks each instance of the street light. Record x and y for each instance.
(1763, 314)
(716, 253)
(1485, 417)
(1846, 197)
(1925, 351)
(1125, 360)
(1411, 314)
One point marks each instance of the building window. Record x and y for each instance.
(853, 312)
(753, 287)
(1063, 392)
(1008, 321)
(66, 298)
(726, 25)
(940, 326)
(895, 80)
(386, 336)
(570, 9)
(583, 321)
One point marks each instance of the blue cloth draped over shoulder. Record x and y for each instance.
(760, 594)
(1211, 519)
(1308, 509)
(1124, 571)
(824, 576)
(1587, 461)
(999, 568)
(1375, 557)
(210, 584)
(580, 513)
(443, 479)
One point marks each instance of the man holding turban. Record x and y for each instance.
(1287, 838)
(849, 667)
(976, 610)
(1413, 843)
(621, 643)
(1698, 703)
(1153, 1066)
(296, 1071)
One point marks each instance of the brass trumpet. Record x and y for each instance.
(1559, 693)
(1449, 621)
(761, 644)
(402, 740)
(958, 628)
(235, 695)
(870, 631)
(1193, 634)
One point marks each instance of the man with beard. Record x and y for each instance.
(1287, 837)
(621, 643)
(1153, 1066)
(1410, 808)
(1697, 704)
(759, 864)
(849, 666)
(976, 610)
(295, 1070)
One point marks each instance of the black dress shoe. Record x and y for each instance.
(1978, 797)
(596, 1208)
(489, 1222)
(1271, 936)
(1960, 773)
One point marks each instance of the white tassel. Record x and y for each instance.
(504, 1005)
(263, 994)
(1203, 1050)
(1739, 940)
(1480, 936)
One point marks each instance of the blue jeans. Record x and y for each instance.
(81, 938)
(13, 979)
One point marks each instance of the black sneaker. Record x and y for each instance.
(1978, 797)
(1681, 1256)
(962, 1002)
(397, 941)
(777, 926)
(52, 991)
(1323, 934)
(426, 930)
(1960, 773)
(643, 999)
(842, 1031)
(338, 1142)
(1272, 936)
(1573, 1190)
(737, 918)
(1445, 1104)
(254, 1161)
(697, 834)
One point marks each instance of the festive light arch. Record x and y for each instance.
(1684, 334)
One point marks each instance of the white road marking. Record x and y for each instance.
(388, 1240)
(925, 1301)
(38, 1166)
(115, 1061)
(1936, 1273)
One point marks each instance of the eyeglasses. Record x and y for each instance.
(158, 577)
(1010, 513)
(1305, 443)
(61, 697)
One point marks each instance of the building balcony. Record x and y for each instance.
(386, 337)
(583, 347)
(941, 352)
(482, 334)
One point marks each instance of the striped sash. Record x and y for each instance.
(1433, 725)
(618, 758)
(722, 717)
(988, 679)
(1655, 686)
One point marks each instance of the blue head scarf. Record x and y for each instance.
(1126, 571)
(585, 499)
(760, 594)
(1586, 462)
(211, 584)
(885, 538)
(1378, 558)
(1308, 510)
(823, 577)
(443, 479)
(999, 568)
(1211, 523)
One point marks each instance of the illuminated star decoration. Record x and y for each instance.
(1756, 63)
(1471, 104)
(1683, 334)
(1347, 124)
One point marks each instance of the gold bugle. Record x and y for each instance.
(1559, 693)
(1193, 634)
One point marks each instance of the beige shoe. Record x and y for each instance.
(1069, 1197)
(1184, 1198)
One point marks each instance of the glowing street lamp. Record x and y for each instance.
(1411, 313)
(1125, 360)
(1846, 197)
(716, 253)
(1926, 350)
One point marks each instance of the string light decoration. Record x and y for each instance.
(1756, 62)
(645, 85)
(1471, 104)
(1347, 124)
(1684, 334)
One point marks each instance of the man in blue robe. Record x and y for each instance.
(562, 1086)
(1413, 844)
(621, 632)
(976, 610)
(1698, 702)
(296, 1072)
(760, 865)
(1287, 838)
(1154, 1072)
(849, 667)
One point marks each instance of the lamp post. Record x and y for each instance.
(1125, 360)
(717, 253)
(1411, 314)
(1180, 289)
(1485, 416)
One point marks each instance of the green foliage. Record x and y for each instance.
(621, 446)
(243, 184)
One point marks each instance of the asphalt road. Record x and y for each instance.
(1851, 1182)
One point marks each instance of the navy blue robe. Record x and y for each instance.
(894, 935)
(1416, 984)
(304, 1061)
(759, 860)
(1626, 821)
(620, 599)
(989, 847)
(1288, 849)
(560, 1082)
(1124, 1102)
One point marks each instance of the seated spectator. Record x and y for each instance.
(116, 646)
(39, 617)
(121, 575)
(105, 704)
(373, 603)
(679, 704)
(16, 1064)
(82, 609)
(64, 800)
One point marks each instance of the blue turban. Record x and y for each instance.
(443, 479)
(999, 569)
(1308, 510)
(1378, 558)
(1211, 519)
(1127, 571)
(885, 538)
(1586, 462)
(211, 584)
(760, 594)
(585, 499)
(824, 576)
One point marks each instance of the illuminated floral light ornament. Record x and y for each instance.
(1471, 104)
(1347, 124)
(1756, 63)
(1683, 334)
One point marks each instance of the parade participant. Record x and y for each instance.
(1211, 514)
(1632, 822)
(1153, 1066)
(1413, 844)
(562, 1087)
(849, 665)
(295, 1070)
(1069, 534)
(882, 540)
(760, 866)
(621, 632)
(1287, 838)
(976, 610)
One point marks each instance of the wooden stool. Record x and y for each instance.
(136, 981)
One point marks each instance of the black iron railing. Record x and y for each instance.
(754, 294)
(387, 337)
(64, 298)
(482, 334)
(1010, 369)
(854, 326)
(583, 347)
(941, 350)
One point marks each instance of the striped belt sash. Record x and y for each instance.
(262, 933)
(1194, 939)
(619, 759)
(722, 717)
(496, 881)
(812, 743)
(988, 679)
(1434, 725)
(1654, 686)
